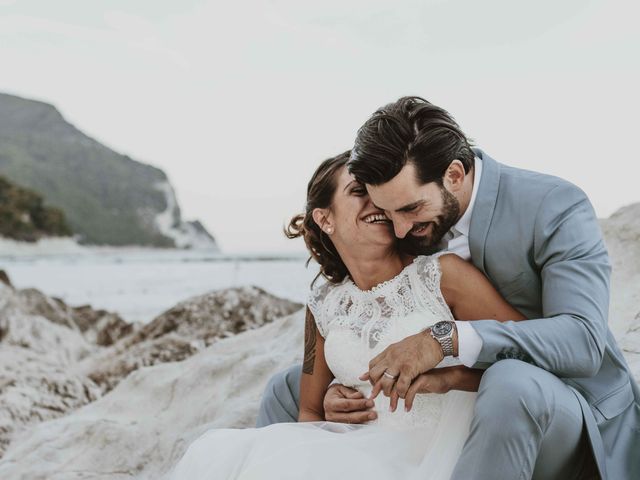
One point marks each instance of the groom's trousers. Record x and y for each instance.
(527, 424)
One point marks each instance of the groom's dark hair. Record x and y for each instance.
(408, 130)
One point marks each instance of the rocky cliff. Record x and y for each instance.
(108, 198)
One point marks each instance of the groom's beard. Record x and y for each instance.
(429, 244)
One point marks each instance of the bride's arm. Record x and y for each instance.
(470, 295)
(316, 375)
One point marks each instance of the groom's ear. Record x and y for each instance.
(454, 176)
(322, 218)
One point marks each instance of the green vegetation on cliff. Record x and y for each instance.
(24, 217)
(107, 198)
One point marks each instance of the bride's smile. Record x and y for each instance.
(352, 221)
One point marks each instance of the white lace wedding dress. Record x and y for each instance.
(357, 325)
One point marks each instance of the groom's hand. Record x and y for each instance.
(346, 405)
(404, 360)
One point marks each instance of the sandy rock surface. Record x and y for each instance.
(142, 427)
(35, 355)
(185, 329)
(55, 358)
(622, 236)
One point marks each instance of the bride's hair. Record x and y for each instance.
(320, 192)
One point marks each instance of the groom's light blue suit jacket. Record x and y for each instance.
(538, 240)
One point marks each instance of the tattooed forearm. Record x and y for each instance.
(309, 343)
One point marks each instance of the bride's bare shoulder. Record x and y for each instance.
(456, 273)
(452, 263)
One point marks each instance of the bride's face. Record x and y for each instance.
(356, 222)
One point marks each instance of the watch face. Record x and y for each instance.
(442, 328)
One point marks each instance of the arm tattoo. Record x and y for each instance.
(309, 343)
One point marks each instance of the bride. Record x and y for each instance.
(374, 296)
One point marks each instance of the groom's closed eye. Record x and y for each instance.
(412, 207)
(408, 209)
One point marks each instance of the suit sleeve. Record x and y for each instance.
(569, 253)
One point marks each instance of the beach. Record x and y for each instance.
(140, 283)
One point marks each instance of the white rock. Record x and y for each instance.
(36, 359)
(185, 234)
(142, 427)
(622, 236)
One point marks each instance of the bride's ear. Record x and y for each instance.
(322, 217)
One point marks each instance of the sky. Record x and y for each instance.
(238, 102)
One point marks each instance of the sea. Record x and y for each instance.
(139, 284)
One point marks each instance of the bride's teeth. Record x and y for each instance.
(375, 217)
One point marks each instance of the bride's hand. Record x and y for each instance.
(438, 380)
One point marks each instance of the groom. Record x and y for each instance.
(557, 399)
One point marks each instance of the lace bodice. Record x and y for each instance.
(358, 324)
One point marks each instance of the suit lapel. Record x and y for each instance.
(483, 208)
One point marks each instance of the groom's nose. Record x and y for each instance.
(401, 227)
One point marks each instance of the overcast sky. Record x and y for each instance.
(239, 101)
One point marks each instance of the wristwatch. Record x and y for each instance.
(443, 333)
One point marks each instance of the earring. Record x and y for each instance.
(329, 230)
